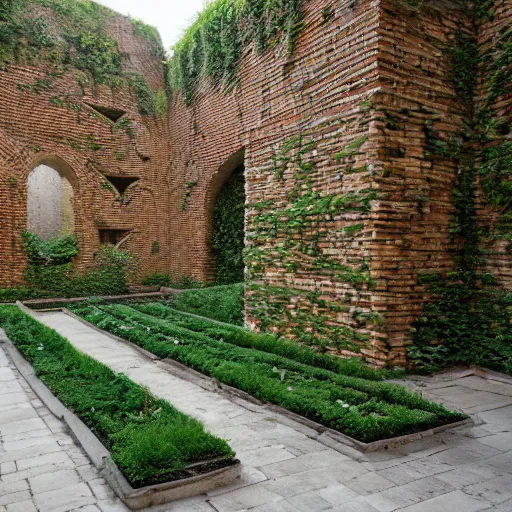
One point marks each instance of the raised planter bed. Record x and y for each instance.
(194, 478)
(331, 403)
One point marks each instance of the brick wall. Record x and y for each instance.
(56, 126)
(492, 36)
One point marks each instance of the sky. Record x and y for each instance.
(170, 17)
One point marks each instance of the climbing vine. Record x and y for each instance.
(298, 229)
(228, 229)
(469, 318)
(212, 47)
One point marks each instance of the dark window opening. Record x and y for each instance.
(121, 183)
(112, 236)
(113, 114)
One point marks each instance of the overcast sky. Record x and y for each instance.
(170, 17)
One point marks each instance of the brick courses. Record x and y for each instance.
(366, 88)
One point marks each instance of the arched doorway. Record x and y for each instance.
(50, 210)
(228, 221)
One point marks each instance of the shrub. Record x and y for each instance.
(223, 303)
(149, 439)
(363, 409)
(157, 280)
(54, 251)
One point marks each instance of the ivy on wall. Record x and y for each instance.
(75, 36)
(228, 229)
(469, 318)
(212, 47)
(298, 229)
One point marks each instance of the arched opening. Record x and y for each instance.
(228, 220)
(50, 193)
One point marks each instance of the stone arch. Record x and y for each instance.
(233, 166)
(51, 188)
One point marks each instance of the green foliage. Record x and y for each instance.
(212, 47)
(264, 342)
(76, 36)
(17, 293)
(157, 280)
(150, 440)
(223, 303)
(363, 409)
(228, 229)
(465, 325)
(50, 272)
(53, 251)
(469, 319)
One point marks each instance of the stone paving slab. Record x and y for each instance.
(41, 469)
(285, 467)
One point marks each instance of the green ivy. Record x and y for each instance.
(212, 47)
(228, 229)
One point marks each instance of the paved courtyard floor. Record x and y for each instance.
(287, 466)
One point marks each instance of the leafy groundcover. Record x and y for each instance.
(150, 441)
(319, 387)
(223, 303)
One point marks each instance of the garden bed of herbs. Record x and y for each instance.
(342, 395)
(150, 441)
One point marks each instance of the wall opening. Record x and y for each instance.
(113, 114)
(228, 223)
(112, 236)
(121, 183)
(50, 210)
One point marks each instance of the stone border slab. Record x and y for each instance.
(326, 435)
(143, 497)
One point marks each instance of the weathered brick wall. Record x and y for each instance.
(415, 207)
(292, 116)
(54, 124)
(335, 245)
(494, 40)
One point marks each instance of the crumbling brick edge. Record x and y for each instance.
(99, 455)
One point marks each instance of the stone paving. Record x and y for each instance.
(41, 469)
(288, 469)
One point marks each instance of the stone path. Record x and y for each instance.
(287, 469)
(41, 469)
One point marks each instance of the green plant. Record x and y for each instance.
(212, 46)
(365, 410)
(149, 439)
(53, 251)
(264, 342)
(228, 229)
(79, 38)
(223, 303)
(157, 280)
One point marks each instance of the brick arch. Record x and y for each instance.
(50, 199)
(217, 181)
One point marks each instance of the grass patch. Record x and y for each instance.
(223, 303)
(150, 440)
(363, 409)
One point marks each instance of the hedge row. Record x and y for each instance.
(363, 409)
(262, 341)
(150, 440)
(223, 303)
